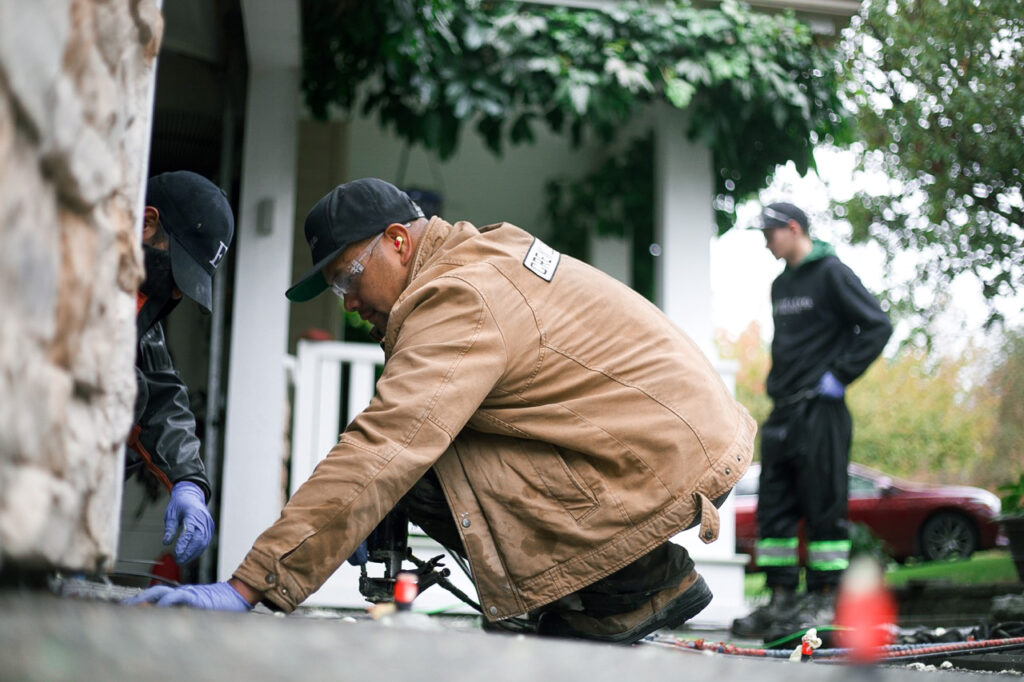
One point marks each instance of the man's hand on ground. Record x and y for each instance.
(830, 387)
(213, 597)
(187, 509)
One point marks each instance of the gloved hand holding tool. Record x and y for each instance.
(187, 509)
(213, 597)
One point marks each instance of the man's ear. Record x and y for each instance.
(397, 237)
(150, 222)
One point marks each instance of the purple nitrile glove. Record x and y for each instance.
(187, 508)
(361, 555)
(830, 387)
(213, 597)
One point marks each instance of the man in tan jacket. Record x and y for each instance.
(534, 414)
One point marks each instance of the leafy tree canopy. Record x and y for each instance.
(1006, 383)
(759, 90)
(939, 95)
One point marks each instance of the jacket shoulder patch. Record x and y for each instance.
(542, 260)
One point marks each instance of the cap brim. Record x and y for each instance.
(190, 277)
(763, 225)
(312, 283)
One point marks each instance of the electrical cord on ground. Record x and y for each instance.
(891, 653)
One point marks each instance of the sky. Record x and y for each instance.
(736, 301)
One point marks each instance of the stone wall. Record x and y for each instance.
(75, 78)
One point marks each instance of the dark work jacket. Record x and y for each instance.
(825, 320)
(162, 411)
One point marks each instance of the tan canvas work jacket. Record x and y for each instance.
(573, 427)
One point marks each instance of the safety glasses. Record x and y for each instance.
(345, 281)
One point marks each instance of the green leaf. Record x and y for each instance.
(679, 93)
(521, 131)
(579, 94)
(757, 89)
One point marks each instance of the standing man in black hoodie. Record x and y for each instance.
(828, 330)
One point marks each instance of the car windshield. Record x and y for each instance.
(861, 486)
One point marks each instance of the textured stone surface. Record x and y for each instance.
(47, 638)
(75, 79)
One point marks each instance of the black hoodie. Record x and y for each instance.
(825, 320)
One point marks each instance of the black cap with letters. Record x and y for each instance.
(197, 217)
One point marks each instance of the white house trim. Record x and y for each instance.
(256, 391)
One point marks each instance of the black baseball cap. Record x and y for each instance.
(197, 217)
(779, 214)
(347, 214)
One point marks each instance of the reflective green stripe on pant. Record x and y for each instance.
(828, 555)
(777, 552)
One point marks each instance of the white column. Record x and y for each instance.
(613, 255)
(256, 393)
(684, 227)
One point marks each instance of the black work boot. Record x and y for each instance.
(668, 608)
(815, 609)
(522, 625)
(760, 620)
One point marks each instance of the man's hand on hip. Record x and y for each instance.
(830, 387)
(187, 509)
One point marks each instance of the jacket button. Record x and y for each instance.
(708, 534)
(284, 590)
(728, 471)
(466, 523)
(493, 610)
(271, 578)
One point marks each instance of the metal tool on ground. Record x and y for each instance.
(389, 544)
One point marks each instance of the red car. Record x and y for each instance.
(912, 519)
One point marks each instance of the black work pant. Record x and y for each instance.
(625, 590)
(805, 450)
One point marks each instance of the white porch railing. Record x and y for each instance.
(317, 422)
(316, 425)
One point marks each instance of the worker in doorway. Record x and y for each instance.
(534, 415)
(828, 330)
(187, 228)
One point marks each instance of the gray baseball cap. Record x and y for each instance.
(779, 214)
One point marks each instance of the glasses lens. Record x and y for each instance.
(344, 281)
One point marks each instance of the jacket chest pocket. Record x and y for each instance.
(565, 485)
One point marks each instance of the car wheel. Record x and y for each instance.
(948, 535)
